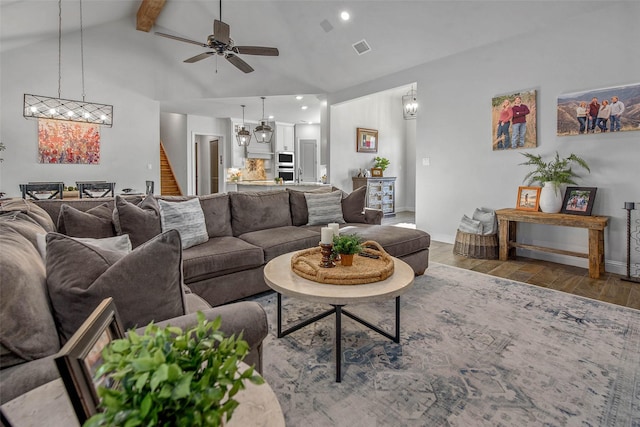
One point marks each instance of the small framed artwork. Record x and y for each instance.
(81, 356)
(366, 140)
(376, 172)
(579, 200)
(528, 198)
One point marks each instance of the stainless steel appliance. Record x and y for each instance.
(285, 158)
(286, 166)
(287, 174)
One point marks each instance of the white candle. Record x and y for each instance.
(335, 227)
(326, 236)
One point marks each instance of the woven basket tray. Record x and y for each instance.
(476, 246)
(364, 270)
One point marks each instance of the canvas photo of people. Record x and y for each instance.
(614, 109)
(514, 121)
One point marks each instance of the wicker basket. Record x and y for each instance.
(476, 245)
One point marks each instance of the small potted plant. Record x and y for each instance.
(552, 175)
(347, 245)
(381, 163)
(168, 376)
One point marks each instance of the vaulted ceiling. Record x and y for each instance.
(316, 47)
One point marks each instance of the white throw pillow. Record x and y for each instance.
(469, 225)
(488, 219)
(324, 208)
(120, 244)
(187, 218)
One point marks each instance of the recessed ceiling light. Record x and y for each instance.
(271, 117)
(299, 97)
(344, 15)
(304, 107)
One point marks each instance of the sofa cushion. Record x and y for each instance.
(30, 209)
(397, 241)
(253, 211)
(353, 205)
(220, 256)
(23, 225)
(27, 328)
(141, 222)
(298, 204)
(278, 241)
(95, 223)
(324, 208)
(145, 284)
(116, 244)
(186, 217)
(217, 214)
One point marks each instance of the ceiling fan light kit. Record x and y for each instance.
(222, 44)
(263, 132)
(46, 107)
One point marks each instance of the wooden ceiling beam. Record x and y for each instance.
(148, 13)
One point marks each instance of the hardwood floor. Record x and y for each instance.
(574, 280)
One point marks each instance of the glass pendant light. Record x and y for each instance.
(410, 105)
(263, 132)
(243, 136)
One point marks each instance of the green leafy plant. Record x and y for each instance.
(347, 244)
(167, 377)
(557, 171)
(381, 162)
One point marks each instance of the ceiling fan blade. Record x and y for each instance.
(221, 32)
(181, 39)
(256, 50)
(199, 57)
(239, 63)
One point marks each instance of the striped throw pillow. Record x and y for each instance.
(324, 208)
(187, 218)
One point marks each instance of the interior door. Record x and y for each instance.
(213, 166)
(308, 169)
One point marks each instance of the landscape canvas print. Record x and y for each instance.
(68, 142)
(613, 109)
(514, 120)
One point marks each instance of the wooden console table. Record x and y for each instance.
(508, 219)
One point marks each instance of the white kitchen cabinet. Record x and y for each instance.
(285, 137)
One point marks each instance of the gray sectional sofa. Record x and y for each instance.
(225, 244)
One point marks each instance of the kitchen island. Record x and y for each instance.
(270, 185)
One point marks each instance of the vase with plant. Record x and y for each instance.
(380, 163)
(171, 377)
(347, 245)
(552, 175)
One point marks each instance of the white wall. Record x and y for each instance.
(454, 128)
(381, 111)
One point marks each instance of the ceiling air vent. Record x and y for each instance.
(326, 26)
(362, 47)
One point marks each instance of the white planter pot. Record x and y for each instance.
(550, 199)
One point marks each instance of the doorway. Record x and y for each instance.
(206, 157)
(214, 168)
(308, 169)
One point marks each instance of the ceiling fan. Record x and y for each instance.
(223, 45)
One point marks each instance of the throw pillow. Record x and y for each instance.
(488, 219)
(217, 214)
(27, 328)
(353, 205)
(186, 217)
(145, 284)
(469, 225)
(298, 204)
(254, 211)
(95, 223)
(116, 243)
(324, 208)
(141, 222)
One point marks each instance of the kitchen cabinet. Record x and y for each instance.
(285, 140)
(381, 193)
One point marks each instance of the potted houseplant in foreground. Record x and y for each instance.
(347, 245)
(552, 175)
(170, 377)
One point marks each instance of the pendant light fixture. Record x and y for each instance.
(243, 136)
(410, 105)
(263, 132)
(45, 107)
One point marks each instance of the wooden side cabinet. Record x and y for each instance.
(381, 193)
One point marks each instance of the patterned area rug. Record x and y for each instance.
(475, 350)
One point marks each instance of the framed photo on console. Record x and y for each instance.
(579, 200)
(81, 356)
(528, 198)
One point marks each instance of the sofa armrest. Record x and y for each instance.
(373, 216)
(245, 316)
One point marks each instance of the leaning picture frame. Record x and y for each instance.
(81, 356)
(528, 198)
(366, 140)
(579, 200)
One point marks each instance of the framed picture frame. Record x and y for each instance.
(81, 356)
(377, 172)
(366, 140)
(528, 198)
(579, 200)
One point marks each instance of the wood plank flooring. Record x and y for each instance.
(566, 278)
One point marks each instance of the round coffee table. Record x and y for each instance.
(279, 276)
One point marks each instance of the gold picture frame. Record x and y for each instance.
(366, 140)
(528, 198)
(377, 172)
